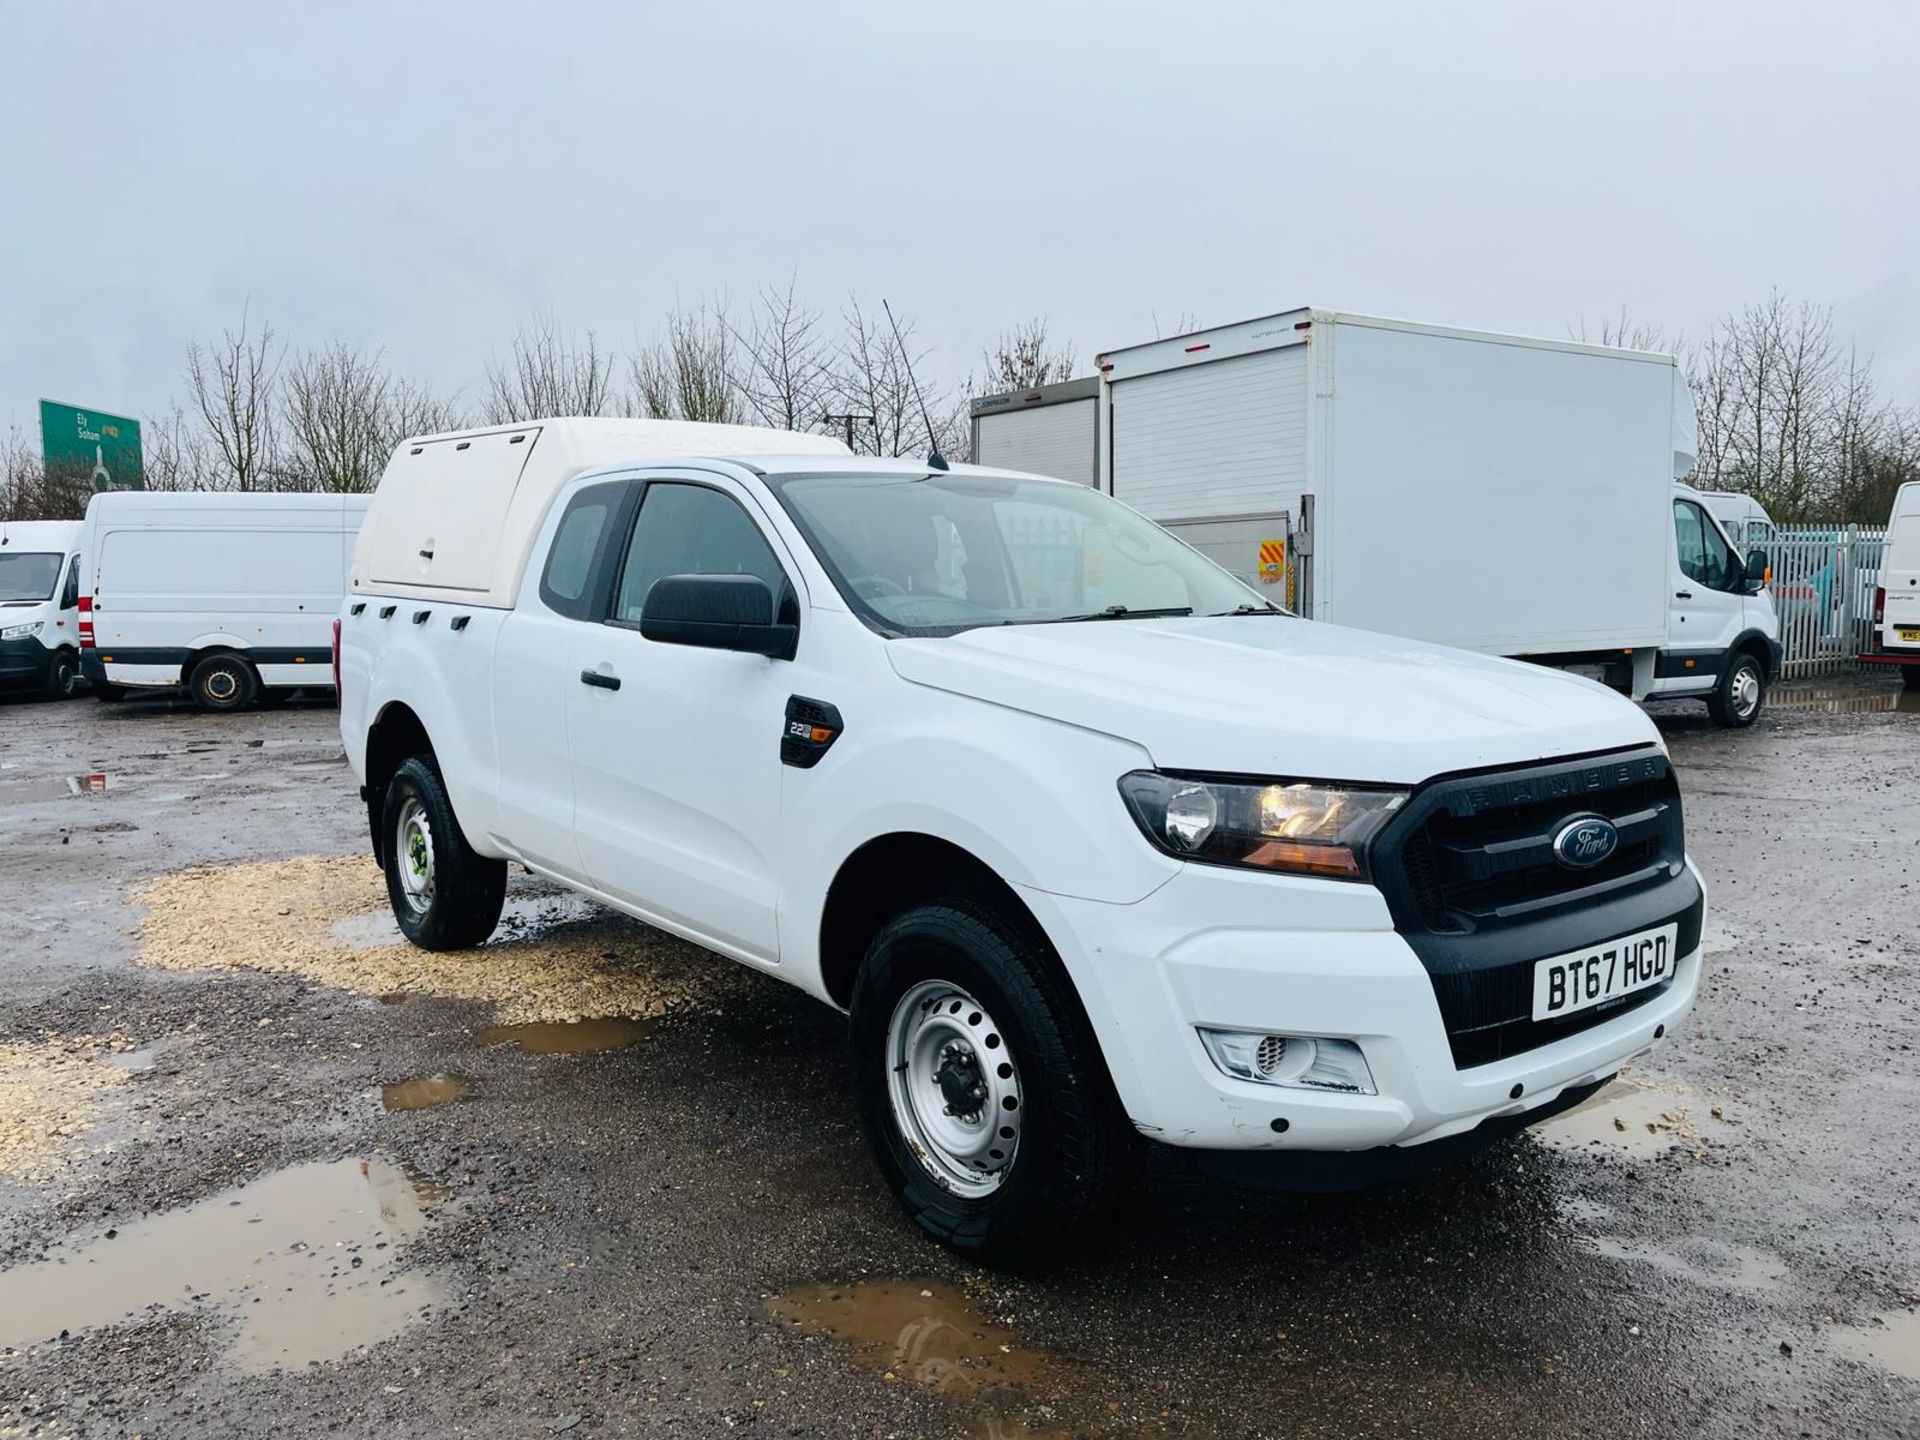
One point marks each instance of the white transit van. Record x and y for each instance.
(1499, 493)
(39, 606)
(1896, 603)
(1744, 518)
(231, 595)
(1096, 845)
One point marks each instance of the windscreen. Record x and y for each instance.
(28, 574)
(941, 553)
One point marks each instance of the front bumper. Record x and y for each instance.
(1204, 949)
(24, 664)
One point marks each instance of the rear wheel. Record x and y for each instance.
(63, 675)
(982, 1092)
(223, 684)
(1741, 695)
(445, 894)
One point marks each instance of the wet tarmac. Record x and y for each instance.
(642, 1207)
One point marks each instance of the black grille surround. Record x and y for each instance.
(1468, 871)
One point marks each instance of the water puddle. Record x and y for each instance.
(301, 1262)
(525, 917)
(1627, 1117)
(134, 1060)
(1892, 1344)
(1846, 699)
(927, 1333)
(425, 1093)
(568, 1037)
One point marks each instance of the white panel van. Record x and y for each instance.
(230, 595)
(1896, 604)
(39, 611)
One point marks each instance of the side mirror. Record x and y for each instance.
(1759, 571)
(717, 612)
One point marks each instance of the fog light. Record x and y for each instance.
(1300, 1062)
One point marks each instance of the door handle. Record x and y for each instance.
(600, 679)
(1683, 594)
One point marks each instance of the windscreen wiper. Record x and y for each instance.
(1247, 609)
(1123, 612)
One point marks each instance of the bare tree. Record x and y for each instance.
(176, 454)
(785, 366)
(338, 404)
(688, 373)
(22, 478)
(549, 374)
(873, 376)
(414, 409)
(1622, 332)
(233, 384)
(1023, 359)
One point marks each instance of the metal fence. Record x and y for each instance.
(1823, 583)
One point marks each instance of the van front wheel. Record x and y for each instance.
(981, 1090)
(1737, 700)
(223, 684)
(445, 894)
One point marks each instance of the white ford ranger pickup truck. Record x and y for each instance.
(1091, 841)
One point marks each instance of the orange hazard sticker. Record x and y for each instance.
(1273, 561)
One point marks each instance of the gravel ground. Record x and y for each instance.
(346, 1188)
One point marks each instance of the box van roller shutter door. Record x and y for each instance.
(1056, 440)
(445, 531)
(1228, 437)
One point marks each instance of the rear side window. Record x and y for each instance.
(692, 530)
(577, 546)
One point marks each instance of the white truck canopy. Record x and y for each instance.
(455, 515)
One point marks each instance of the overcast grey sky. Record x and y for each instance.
(421, 176)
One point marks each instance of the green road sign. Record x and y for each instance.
(91, 445)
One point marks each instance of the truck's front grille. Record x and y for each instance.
(1470, 873)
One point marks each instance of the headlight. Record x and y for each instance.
(1297, 825)
(20, 632)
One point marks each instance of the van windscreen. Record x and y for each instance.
(28, 574)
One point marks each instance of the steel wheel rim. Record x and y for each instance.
(955, 1088)
(221, 685)
(1746, 691)
(413, 855)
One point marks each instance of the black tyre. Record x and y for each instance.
(445, 894)
(63, 676)
(223, 684)
(1741, 695)
(981, 1089)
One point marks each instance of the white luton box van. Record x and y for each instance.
(1097, 846)
(231, 595)
(1895, 638)
(1504, 494)
(40, 607)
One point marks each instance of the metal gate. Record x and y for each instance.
(1823, 584)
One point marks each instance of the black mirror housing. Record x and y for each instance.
(1759, 569)
(717, 612)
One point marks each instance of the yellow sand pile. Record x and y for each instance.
(280, 915)
(49, 1095)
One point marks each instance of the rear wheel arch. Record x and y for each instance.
(395, 737)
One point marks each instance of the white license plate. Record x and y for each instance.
(1582, 979)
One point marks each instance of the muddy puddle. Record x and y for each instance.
(426, 1093)
(568, 1037)
(1633, 1118)
(1846, 699)
(930, 1334)
(1892, 1342)
(1709, 1264)
(300, 1264)
(554, 958)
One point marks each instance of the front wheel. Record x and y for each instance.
(63, 676)
(982, 1093)
(1740, 696)
(445, 894)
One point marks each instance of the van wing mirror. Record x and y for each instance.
(717, 612)
(1759, 570)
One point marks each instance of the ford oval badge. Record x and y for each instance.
(1583, 843)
